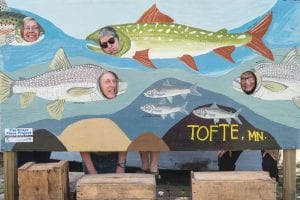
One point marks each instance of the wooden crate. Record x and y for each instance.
(47, 181)
(235, 185)
(127, 186)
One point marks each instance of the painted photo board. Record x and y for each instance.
(149, 75)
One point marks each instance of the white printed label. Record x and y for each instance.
(18, 135)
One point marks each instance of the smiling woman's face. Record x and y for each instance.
(248, 82)
(31, 31)
(109, 85)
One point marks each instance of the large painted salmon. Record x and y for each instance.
(155, 35)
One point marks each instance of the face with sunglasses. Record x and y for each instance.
(109, 44)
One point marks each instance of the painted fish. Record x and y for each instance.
(156, 36)
(168, 91)
(216, 113)
(277, 81)
(65, 83)
(11, 26)
(164, 109)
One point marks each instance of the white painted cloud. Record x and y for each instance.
(78, 18)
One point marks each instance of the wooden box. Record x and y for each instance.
(126, 186)
(47, 181)
(235, 185)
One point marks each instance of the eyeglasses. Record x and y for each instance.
(34, 28)
(104, 45)
(250, 78)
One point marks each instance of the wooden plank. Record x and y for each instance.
(10, 175)
(289, 174)
(232, 185)
(116, 186)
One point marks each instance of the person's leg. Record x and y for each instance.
(154, 157)
(270, 164)
(121, 162)
(145, 161)
(227, 161)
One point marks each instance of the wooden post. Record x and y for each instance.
(289, 174)
(10, 175)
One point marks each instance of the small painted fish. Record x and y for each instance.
(164, 109)
(216, 113)
(168, 91)
(277, 81)
(78, 83)
(11, 27)
(156, 36)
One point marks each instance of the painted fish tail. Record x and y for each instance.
(194, 90)
(236, 116)
(183, 110)
(5, 87)
(257, 33)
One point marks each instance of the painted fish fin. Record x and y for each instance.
(143, 57)
(291, 58)
(257, 33)
(170, 99)
(163, 116)
(162, 101)
(60, 60)
(274, 86)
(5, 87)
(222, 31)
(225, 52)
(194, 90)
(189, 61)
(56, 108)
(26, 99)
(216, 120)
(18, 39)
(172, 115)
(214, 105)
(154, 15)
(166, 83)
(2, 40)
(296, 101)
(3, 6)
(228, 120)
(80, 91)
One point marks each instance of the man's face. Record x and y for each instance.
(31, 31)
(109, 85)
(109, 44)
(248, 82)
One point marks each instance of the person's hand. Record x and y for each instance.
(221, 153)
(274, 153)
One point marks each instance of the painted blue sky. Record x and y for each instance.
(92, 14)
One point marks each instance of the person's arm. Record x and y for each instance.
(86, 158)
(121, 162)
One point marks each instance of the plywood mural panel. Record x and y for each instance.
(161, 75)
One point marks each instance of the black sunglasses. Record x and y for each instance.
(104, 45)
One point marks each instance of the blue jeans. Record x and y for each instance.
(106, 163)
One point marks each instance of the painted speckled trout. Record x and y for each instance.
(78, 83)
(156, 36)
(11, 26)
